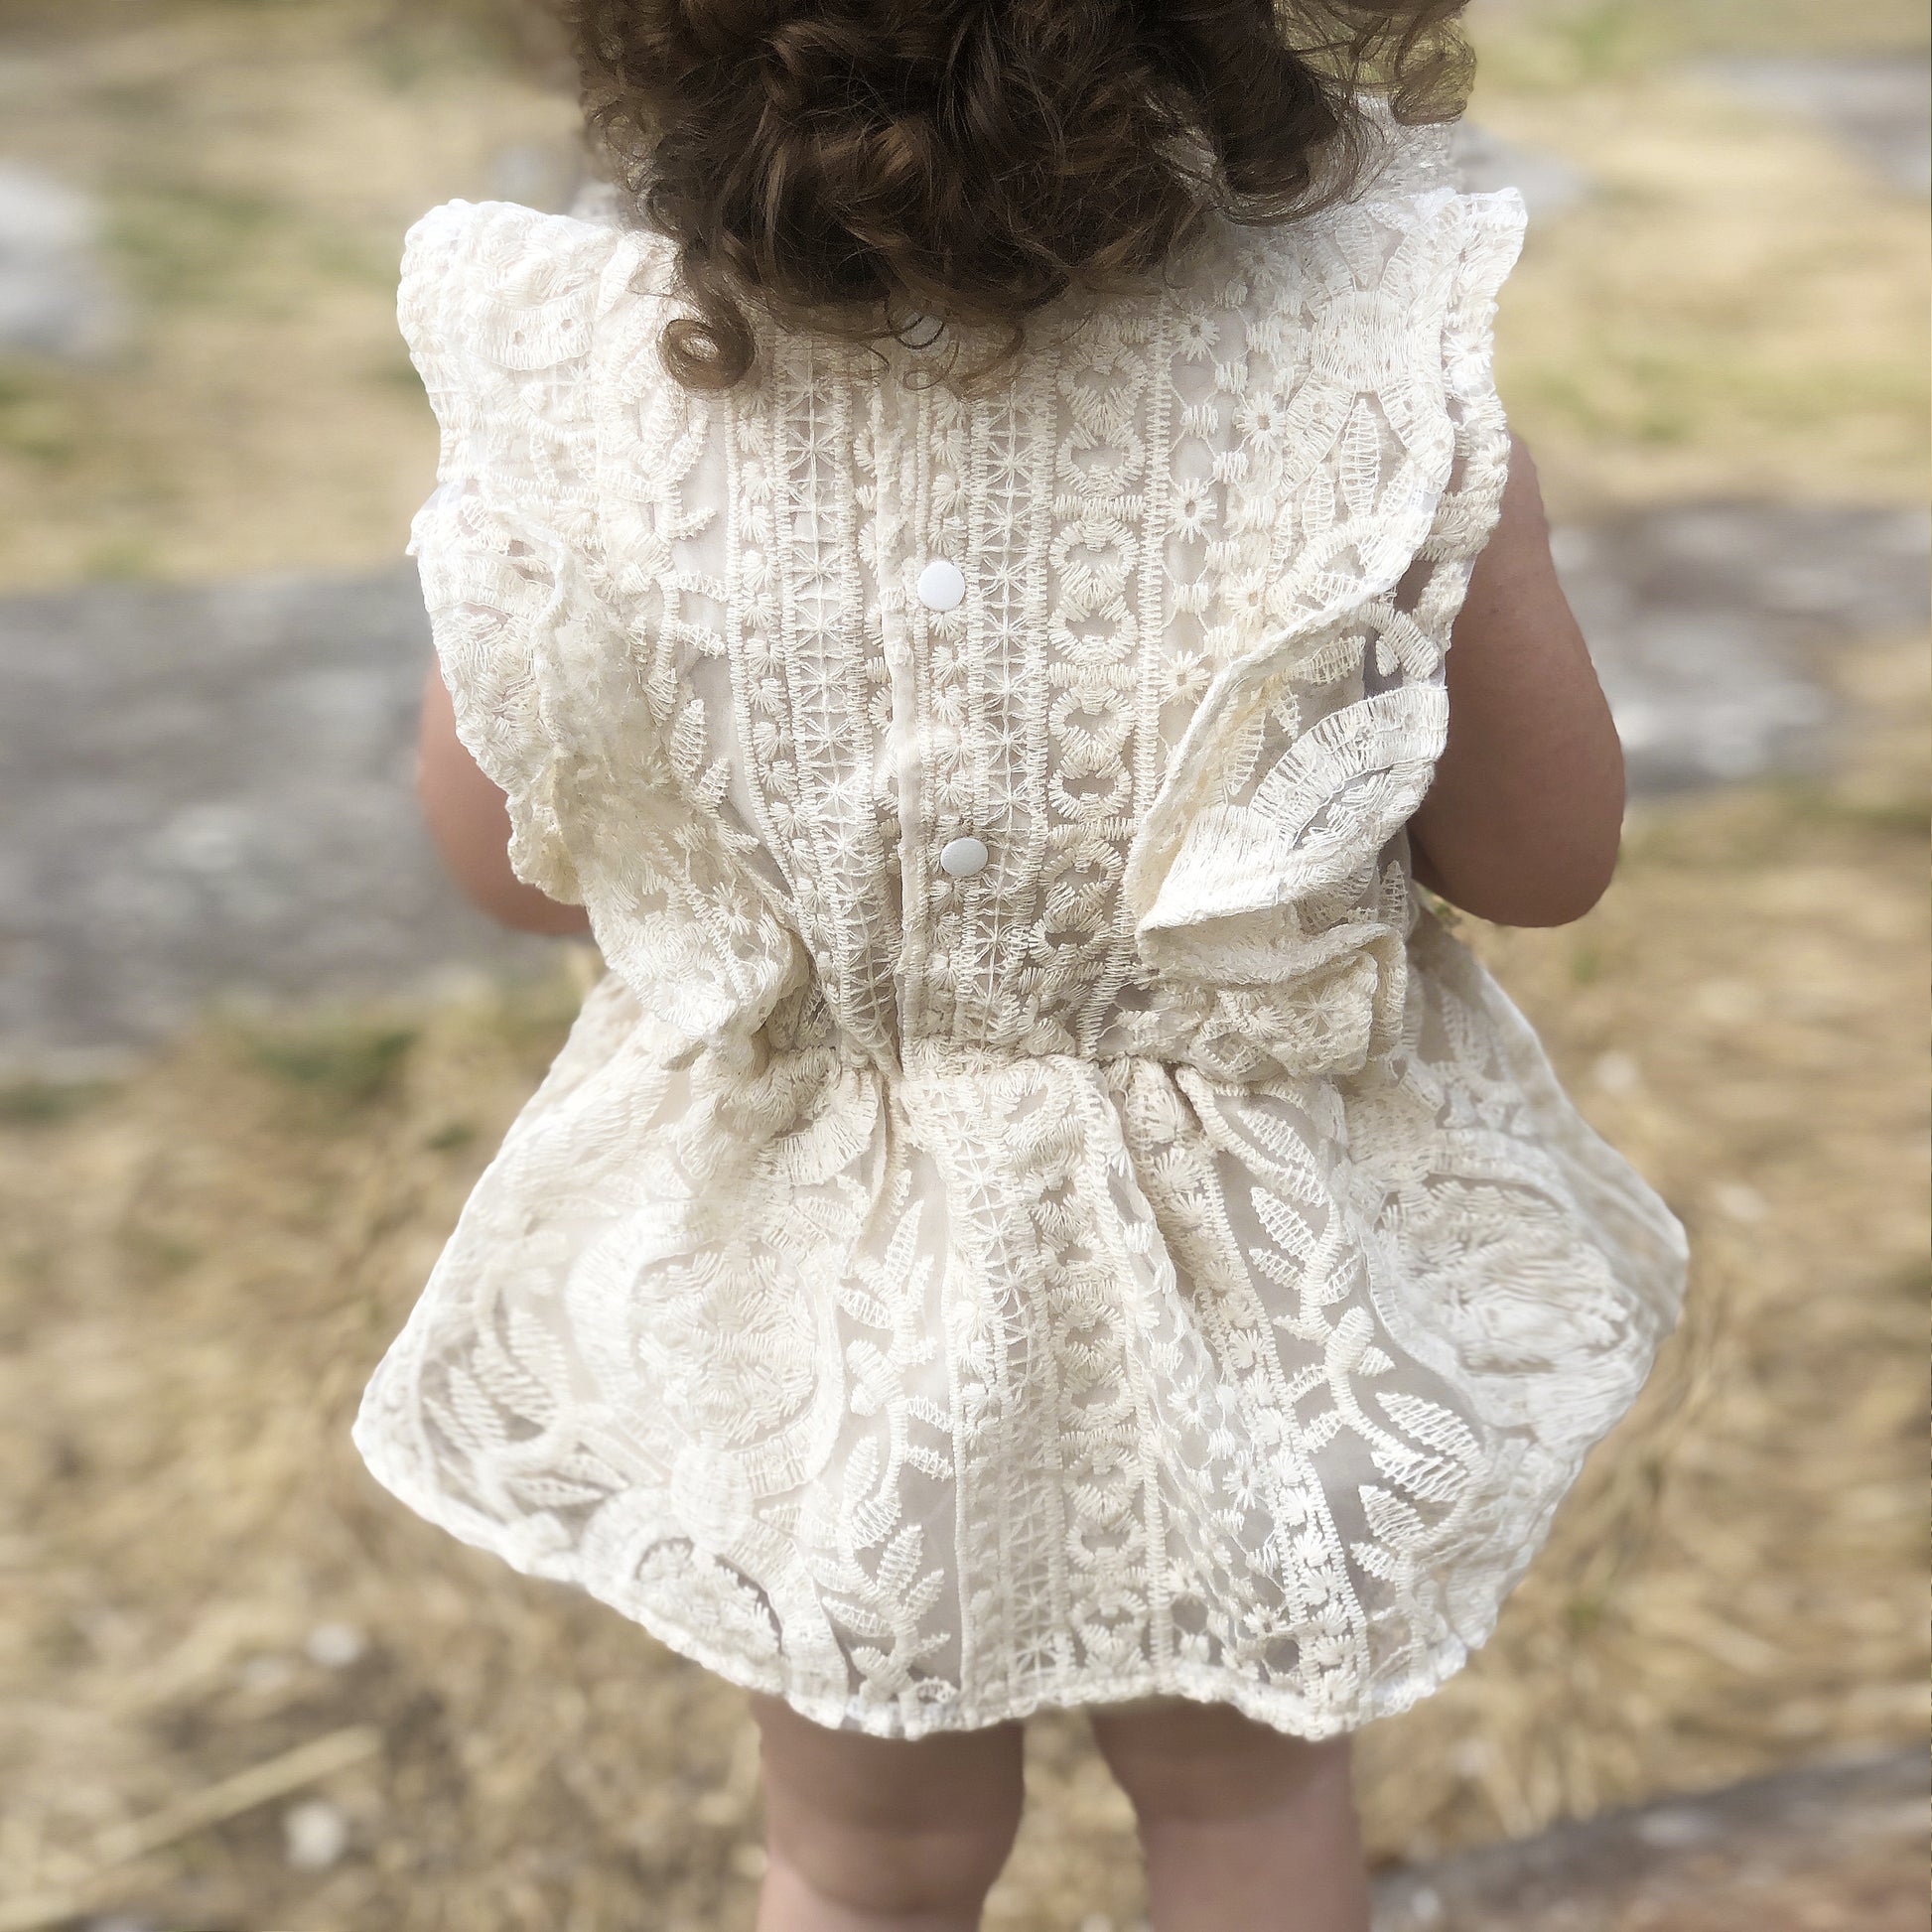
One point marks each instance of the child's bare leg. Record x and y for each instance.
(867, 1835)
(1244, 1830)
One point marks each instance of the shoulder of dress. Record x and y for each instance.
(1402, 237)
(517, 287)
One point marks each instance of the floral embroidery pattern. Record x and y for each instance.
(1158, 1260)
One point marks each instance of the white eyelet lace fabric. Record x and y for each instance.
(1157, 1261)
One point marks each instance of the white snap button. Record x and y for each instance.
(922, 331)
(963, 858)
(941, 586)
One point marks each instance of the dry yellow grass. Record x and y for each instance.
(204, 1262)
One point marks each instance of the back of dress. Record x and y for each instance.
(1035, 1213)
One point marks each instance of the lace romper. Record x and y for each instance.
(1037, 1213)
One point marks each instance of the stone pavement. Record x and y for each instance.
(1833, 1847)
(208, 793)
(57, 297)
(1709, 623)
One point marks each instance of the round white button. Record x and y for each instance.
(963, 858)
(941, 585)
(922, 331)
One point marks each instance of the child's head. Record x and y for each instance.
(850, 164)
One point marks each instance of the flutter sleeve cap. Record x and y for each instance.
(1266, 860)
(497, 304)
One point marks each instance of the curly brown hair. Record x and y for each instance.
(847, 165)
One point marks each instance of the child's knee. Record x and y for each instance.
(893, 1871)
(889, 1829)
(1207, 1763)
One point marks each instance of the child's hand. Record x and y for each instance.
(1523, 821)
(470, 824)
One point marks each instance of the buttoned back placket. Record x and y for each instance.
(925, 611)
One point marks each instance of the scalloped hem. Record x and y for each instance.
(1082, 1689)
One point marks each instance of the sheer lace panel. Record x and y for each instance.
(1034, 1213)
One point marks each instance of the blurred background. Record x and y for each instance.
(253, 1052)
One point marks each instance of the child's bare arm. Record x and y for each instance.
(1521, 823)
(470, 824)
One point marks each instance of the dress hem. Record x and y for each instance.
(1196, 1683)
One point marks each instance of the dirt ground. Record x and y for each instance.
(241, 1690)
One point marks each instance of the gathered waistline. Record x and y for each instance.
(1227, 1060)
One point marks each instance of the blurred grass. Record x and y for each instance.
(1564, 45)
(1595, 34)
(39, 418)
(34, 1102)
(189, 241)
(343, 1061)
(1734, 309)
(256, 166)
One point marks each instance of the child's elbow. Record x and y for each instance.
(522, 908)
(1561, 903)
(1554, 895)
(1523, 880)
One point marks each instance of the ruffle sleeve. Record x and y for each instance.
(1271, 858)
(496, 304)
(555, 563)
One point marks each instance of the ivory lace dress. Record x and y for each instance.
(1037, 1213)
